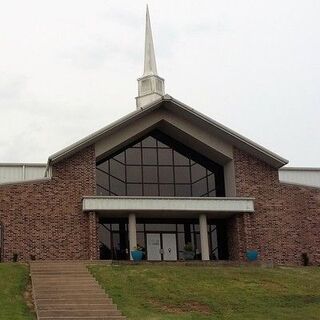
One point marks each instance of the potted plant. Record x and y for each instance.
(188, 251)
(137, 253)
(252, 255)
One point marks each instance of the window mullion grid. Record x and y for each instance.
(207, 180)
(158, 174)
(174, 173)
(109, 177)
(190, 177)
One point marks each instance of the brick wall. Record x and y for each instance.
(45, 219)
(286, 222)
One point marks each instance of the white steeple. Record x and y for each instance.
(150, 65)
(150, 85)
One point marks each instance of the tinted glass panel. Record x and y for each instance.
(117, 187)
(151, 189)
(197, 172)
(133, 156)
(199, 189)
(134, 189)
(115, 226)
(149, 142)
(104, 166)
(102, 179)
(166, 190)
(179, 159)
(134, 174)
(183, 190)
(140, 240)
(150, 156)
(117, 169)
(180, 227)
(182, 174)
(165, 156)
(150, 174)
(212, 194)
(160, 227)
(102, 191)
(181, 244)
(166, 174)
(162, 145)
(120, 157)
(211, 182)
(140, 227)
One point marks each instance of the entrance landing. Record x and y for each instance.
(67, 290)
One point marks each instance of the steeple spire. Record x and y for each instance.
(150, 85)
(150, 66)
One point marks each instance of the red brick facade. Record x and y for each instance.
(286, 221)
(45, 218)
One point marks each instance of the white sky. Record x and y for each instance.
(68, 68)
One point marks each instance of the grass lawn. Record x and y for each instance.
(13, 283)
(190, 292)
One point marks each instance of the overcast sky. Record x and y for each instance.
(68, 68)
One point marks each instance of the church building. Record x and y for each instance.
(164, 177)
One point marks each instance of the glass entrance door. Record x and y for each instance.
(169, 246)
(153, 247)
(161, 246)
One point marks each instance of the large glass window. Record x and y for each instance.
(114, 242)
(159, 166)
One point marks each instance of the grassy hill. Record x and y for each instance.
(171, 292)
(14, 278)
(159, 292)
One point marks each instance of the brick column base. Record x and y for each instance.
(93, 236)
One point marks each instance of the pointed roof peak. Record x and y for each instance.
(150, 85)
(150, 66)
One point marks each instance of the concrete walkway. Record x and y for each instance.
(67, 291)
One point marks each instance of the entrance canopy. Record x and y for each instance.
(175, 207)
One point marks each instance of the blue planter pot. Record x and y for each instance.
(137, 255)
(252, 255)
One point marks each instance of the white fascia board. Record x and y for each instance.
(30, 181)
(21, 164)
(238, 137)
(241, 205)
(96, 135)
(300, 169)
(277, 161)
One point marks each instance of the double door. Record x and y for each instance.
(161, 246)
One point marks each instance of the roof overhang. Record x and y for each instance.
(180, 108)
(175, 207)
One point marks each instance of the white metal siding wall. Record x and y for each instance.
(303, 176)
(21, 172)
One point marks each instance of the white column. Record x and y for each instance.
(132, 232)
(204, 236)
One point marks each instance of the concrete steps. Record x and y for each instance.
(67, 291)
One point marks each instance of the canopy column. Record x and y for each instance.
(93, 236)
(132, 226)
(204, 237)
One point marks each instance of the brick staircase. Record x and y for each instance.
(67, 291)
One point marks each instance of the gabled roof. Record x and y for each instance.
(234, 138)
